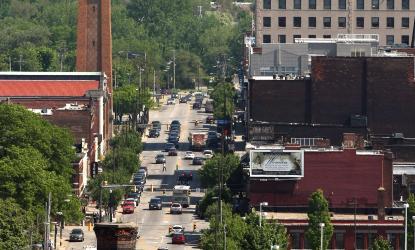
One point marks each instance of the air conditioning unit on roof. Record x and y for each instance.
(398, 135)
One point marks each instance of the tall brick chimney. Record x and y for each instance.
(94, 47)
(381, 203)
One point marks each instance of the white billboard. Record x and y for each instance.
(276, 163)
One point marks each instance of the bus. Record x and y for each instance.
(181, 194)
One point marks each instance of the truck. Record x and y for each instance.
(197, 140)
(209, 106)
(181, 194)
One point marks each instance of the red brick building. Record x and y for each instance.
(71, 100)
(345, 175)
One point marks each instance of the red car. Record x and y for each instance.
(178, 238)
(128, 208)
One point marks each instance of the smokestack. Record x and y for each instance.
(381, 203)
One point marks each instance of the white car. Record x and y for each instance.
(170, 102)
(176, 208)
(178, 228)
(208, 154)
(189, 155)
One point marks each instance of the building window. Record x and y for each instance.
(312, 22)
(266, 4)
(360, 4)
(266, 39)
(339, 240)
(297, 4)
(375, 22)
(360, 22)
(342, 22)
(390, 4)
(296, 36)
(282, 21)
(375, 4)
(312, 4)
(390, 40)
(405, 22)
(312, 36)
(327, 4)
(327, 22)
(326, 36)
(390, 22)
(297, 21)
(405, 39)
(360, 241)
(342, 4)
(266, 21)
(282, 4)
(282, 39)
(405, 4)
(295, 240)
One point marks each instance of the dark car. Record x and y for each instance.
(172, 151)
(185, 177)
(156, 124)
(168, 146)
(174, 133)
(210, 119)
(173, 139)
(197, 105)
(160, 158)
(154, 133)
(139, 181)
(197, 161)
(175, 128)
(155, 203)
(140, 176)
(183, 100)
(178, 238)
(175, 122)
(76, 234)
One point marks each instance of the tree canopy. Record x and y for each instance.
(209, 173)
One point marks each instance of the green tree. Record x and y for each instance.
(381, 244)
(210, 198)
(411, 213)
(211, 170)
(16, 224)
(318, 212)
(269, 234)
(223, 96)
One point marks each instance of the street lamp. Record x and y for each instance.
(264, 203)
(61, 222)
(406, 205)
(321, 235)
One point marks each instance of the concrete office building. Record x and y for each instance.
(281, 21)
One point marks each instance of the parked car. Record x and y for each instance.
(155, 203)
(128, 209)
(210, 119)
(142, 171)
(134, 195)
(173, 139)
(156, 124)
(208, 153)
(154, 133)
(197, 161)
(178, 238)
(183, 100)
(160, 158)
(197, 105)
(178, 229)
(175, 122)
(77, 234)
(189, 155)
(139, 180)
(172, 151)
(170, 101)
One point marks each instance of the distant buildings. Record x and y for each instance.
(281, 21)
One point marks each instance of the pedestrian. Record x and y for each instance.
(164, 166)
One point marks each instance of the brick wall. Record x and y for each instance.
(342, 176)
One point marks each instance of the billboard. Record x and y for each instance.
(276, 163)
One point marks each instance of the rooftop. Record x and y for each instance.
(46, 88)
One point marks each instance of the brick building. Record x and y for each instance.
(71, 100)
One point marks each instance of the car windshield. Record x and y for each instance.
(160, 156)
(76, 231)
(155, 201)
(175, 205)
(177, 227)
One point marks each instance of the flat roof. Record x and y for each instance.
(335, 217)
(38, 73)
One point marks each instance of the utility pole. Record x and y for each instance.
(154, 83)
(20, 61)
(10, 63)
(174, 69)
(47, 224)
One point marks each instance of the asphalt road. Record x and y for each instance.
(154, 224)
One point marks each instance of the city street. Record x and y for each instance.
(154, 224)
